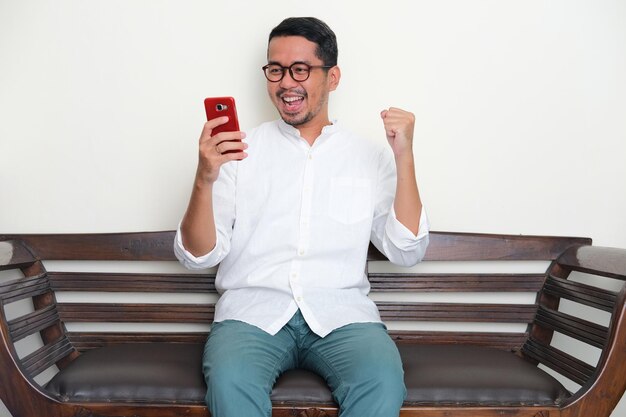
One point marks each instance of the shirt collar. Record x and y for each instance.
(294, 133)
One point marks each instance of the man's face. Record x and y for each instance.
(300, 103)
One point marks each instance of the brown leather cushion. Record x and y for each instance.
(171, 373)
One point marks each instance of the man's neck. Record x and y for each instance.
(310, 132)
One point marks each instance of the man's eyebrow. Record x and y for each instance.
(295, 62)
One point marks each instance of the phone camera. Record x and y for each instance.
(221, 107)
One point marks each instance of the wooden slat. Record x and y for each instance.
(14, 255)
(142, 246)
(24, 288)
(390, 282)
(457, 312)
(445, 246)
(33, 322)
(608, 262)
(120, 282)
(581, 293)
(567, 365)
(583, 330)
(139, 313)
(503, 341)
(46, 356)
(83, 341)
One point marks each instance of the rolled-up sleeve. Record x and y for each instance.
(400, 245)
(190, 261)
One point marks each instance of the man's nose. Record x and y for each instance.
(288, 81)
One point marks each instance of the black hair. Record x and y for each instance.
(314, 30)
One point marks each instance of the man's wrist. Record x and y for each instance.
(405, 162)
(202, 183)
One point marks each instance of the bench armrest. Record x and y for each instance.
(607, 385)
(17, 374)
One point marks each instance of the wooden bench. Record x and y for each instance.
(478, 325)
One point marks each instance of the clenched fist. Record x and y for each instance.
(399, 126)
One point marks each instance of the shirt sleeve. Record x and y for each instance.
(224, 212)
(389, 235)
(190, 261)
(400, 245)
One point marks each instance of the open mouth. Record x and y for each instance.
(292, 104)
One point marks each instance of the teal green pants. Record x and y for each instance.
(360, 363)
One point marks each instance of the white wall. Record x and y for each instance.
(520, 106)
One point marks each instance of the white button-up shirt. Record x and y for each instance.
(294, 224)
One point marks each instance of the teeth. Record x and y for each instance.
(291, 99)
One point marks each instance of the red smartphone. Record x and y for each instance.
(222, 106)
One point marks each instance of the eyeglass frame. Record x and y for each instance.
(310, 67)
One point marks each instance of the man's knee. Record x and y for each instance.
(234, 387)
(230, 374)
(226, 373)
(374, 381)
(384, 376)
(378, 390)
(233, 373)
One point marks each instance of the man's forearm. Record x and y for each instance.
(407, 203)
(198, 226)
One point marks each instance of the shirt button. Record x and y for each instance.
(298, 299)
(301, 252)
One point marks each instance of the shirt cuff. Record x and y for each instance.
(401, 236)
(195, 262)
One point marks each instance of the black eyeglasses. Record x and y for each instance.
(299, 71)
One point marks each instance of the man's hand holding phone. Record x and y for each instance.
(220, 141)
(216, 150)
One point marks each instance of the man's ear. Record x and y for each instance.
(334, 75)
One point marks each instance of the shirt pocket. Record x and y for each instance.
(350, 199)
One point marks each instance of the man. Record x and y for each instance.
(289, 214)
